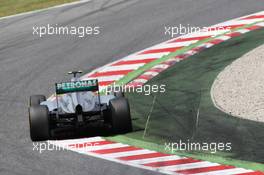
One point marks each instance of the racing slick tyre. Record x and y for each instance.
(36, 99)
(116, 91)
(120, 115)
(39, 123)
(119, 94)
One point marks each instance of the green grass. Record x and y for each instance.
(188, 85)
(11, 7)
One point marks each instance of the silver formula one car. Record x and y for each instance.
(77, 103)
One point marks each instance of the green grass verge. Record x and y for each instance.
(11, 7)
(188, 85)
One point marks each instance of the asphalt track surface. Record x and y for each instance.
(31, 65)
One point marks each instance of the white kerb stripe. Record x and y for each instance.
(108, 78)
(174, 59)
(191, 52)
(207, 45)
(161, 66)
(129, 153)
(240, 22)
(260, 24)
(243, 30)
(145, 56)
(101, 147)
(75, 141)
(139, 80)
(122, 67)
(151, 73)
(205, 33)
(107, 146)
(156, 159)
(188, 166)
(175, 44)
(223, 37)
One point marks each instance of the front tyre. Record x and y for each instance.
(120, 115)
(39, 123)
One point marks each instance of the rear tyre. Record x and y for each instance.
(119, 94)
(116, 91)
(36, 99)
(39, 123)
(120, 115)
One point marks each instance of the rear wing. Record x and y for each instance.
(77, 86)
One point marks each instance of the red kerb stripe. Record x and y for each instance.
(110, 73)
(117, 150)
(144, 156)
(172, 49)
(253, 27)
(125, 62)
(189, 39)
(90, 144)
(172, 162)
(105, 83)
(253, 17)
(233, 34)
